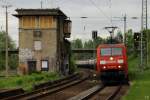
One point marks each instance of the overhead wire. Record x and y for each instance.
(110, 7)
(57, 2)
(100, 10)
(6, 2)
(60, 2)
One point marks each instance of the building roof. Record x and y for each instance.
(38, 12)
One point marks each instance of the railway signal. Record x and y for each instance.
(137, 38)
(94, 34)
(94, 37)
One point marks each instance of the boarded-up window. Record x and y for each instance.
(44, 65)
(46, 21)
(37, 21)
(37, 45)
(37, 34)
(28, 21)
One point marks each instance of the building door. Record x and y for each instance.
(31, 66)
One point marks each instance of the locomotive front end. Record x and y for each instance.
(112, 62)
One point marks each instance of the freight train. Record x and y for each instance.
(112, 62)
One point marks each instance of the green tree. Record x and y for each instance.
(98, 41)
(75, 44)
(88, 44)
(129, 40)
(13, 59)
(119, 37)
(146, 37)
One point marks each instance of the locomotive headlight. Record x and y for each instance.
(102, 62)
(111, 58)
(104, 67)
(119, 66)
(120, 61)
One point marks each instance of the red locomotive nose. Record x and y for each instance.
(111, 58)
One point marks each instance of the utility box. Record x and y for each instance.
(67, 28)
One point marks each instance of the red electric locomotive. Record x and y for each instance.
(112, 62)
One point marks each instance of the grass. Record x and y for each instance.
(27, 81)
(140, 81)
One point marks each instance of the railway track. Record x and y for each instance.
(11, 92)
(58, 90)
(49, 88)
(99, 92)
(45, 93)
(74, 87)
(42, 88)
(69, 91)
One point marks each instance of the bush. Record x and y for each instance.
(27, 81)
(72, 67)
(19, 82)
(38, 78)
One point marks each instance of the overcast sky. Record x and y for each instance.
(98, 12)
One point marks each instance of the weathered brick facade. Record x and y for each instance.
(41, 40)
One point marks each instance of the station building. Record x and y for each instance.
(43, 44)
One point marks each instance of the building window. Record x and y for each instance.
(37, 33)
(44, 66)
(37, 45)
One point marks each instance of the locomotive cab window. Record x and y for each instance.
(111, 51)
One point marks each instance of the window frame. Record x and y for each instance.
(45, 68)
(111, 53)
(34, 45)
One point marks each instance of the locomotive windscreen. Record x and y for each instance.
(111, 51)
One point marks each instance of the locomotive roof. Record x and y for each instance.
(112, 45)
